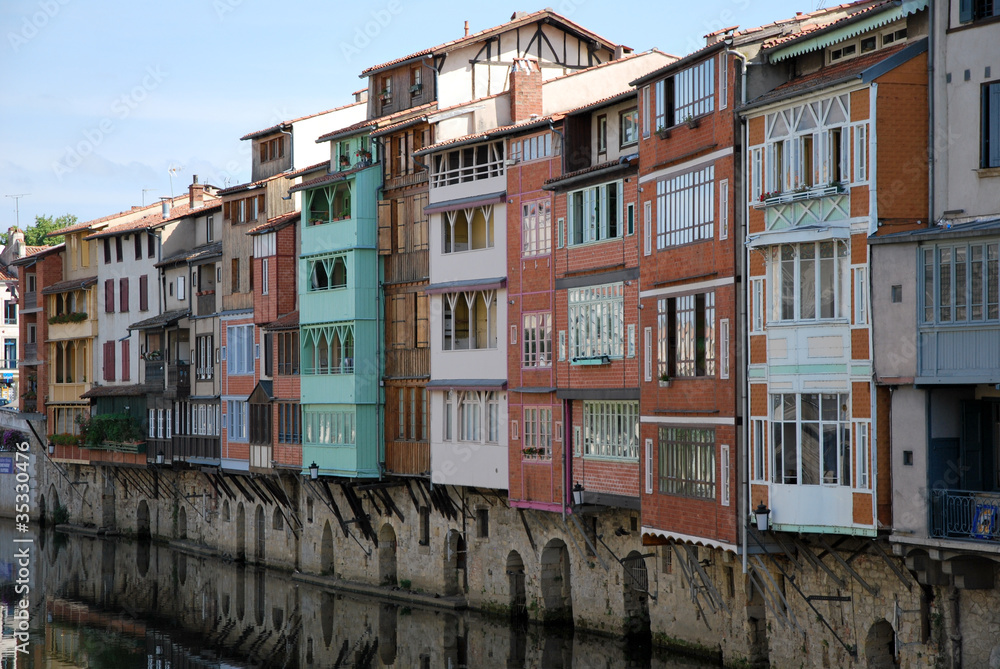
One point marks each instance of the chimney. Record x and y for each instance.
(196, 193)
(466, 28)
(165, 205)
(525, 89)
(15, 236)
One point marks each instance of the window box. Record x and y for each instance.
(416, 88)
(664, 381)
(814, 193)
(663, 133)
(592, 360)
(692, 122)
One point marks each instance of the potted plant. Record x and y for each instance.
(664, 380)
(345, 162)
(691, 121)
(416, 88)
(663, 132)
(530, 452)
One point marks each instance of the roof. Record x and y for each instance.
(977, 227)
(276, 223)
(37, 252)
(327, 179)
(151, 221)
(681, 63)
(374, 122)
(306, 170)
(69, 284)
(6, 276)
(274, 128)
(865, 68)
(515, 22)
(489, 134)
(622, 163)
(205, 251)
(250, 184)
(286, 322)
(160, 321)
(134, 390)
(174, 259)
(749, 34)
(86, 225)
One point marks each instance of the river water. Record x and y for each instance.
(119, 603)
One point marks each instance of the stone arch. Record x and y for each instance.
(260, 534)
(326, 551)
(516, 586)
(635, 583)
(387, 555)
(142, 524)
(455, 580)
(326, 617)
(387, 616)
(182, 568)
(226, 513)
(277, 520)
(557, 594)
(241, 534)
(53, 500)
(182, 523)
(880, 646)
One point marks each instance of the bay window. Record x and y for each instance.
(961, 283)
(685, 208)
(537, 340)
(811, 439)
(537, 432)
(686, 336)
(809, 281)
(468, 229)
(596, 320)
(477, 413)
(687, 461)
(239, 354)
(470, 320)
(328, 349)
(610, 430)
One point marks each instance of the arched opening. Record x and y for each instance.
(277, 520)
(54, 501)
(880, 646)
(326, 618)
(556, 591)
(142, 520)
(182, 568)
(387, 555)
(326, 551)
(516, 587)
(226, 513)
(387, 634)
(261, 535)
(182, 523)
(241, 534)
(454, 563)
(635, 583)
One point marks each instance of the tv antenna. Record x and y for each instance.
(17, 209)
(144, 191)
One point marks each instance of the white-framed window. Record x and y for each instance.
(686, 336)
(596, 320)
(478, 414)
(337, 428)
(447, 432)
(757, 175)
(240, 345)
(860, 295)
(630, 352)
(265, 277)
(811, 439)
(470, 320)
(561, 233)
(649, 467)
(562, 345)
(758, 306)
(181, 288)
(533, 148)
(725, 488)
(645, 112)
(723, 81)
(724, 348)
(611, 430)
(537, 340)
(537, 441)
(687, 462)
(724, 209)
(688, 93)
(758, 446)
(685, 208)
(536, 228)
(595, 213)
(326, 273)
(152, 423)
(807, 146)
(864, 456)
(960, 283)
(809, 281)
(168, 421)
(628, 127)
(647, 228)
(630, 219)
(467, 229)
(236, 420)
(861, 152)
(328, 349)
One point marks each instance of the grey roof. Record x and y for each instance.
(163, 320)
(986, 226)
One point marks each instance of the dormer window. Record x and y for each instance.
(416, 81)
(272, 149)
(385, 94)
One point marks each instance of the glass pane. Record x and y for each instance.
(807, 281)
(829, 453)
(809, 438)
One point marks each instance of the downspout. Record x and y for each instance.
(930, 115)
(567, 450)
(291, 151)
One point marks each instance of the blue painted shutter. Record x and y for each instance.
(992, 130)
(965, 11)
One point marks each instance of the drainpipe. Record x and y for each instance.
(567, 451)
(931, 55)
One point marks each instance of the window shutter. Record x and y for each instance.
(109, 361)
(123, 296)
(993, 130)
(384, 227)
(109, 296)
(965, 11)
(422, 324)
(411, 318)
(126, 367)
(143, 292)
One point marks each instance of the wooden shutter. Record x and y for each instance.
(260, 207)
(268, 346)
(225, 211)
(423, 330)
(109, 296)
(126, 367)
(384, 227)
(143, 292)
(399, 217)
(123, 296)
(109, 361)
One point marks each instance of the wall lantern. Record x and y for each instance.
(314, 471)
(761, 516)
(578, 494)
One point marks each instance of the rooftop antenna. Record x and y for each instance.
(17, 209)
(144, 191)
(172, 171)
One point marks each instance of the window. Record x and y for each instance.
(537, 340)
(328, 273)
(289, 423)
(537, 440)
(724, 348)
(810, 439)
(647, 354)
(687, 461)
(425, 526)
(961, 283)
(602, 133)
(182, 288)
(468, 164)
(385, 93)
(328, 349)
(107, 250)
(536, 226)
(474, 410)
(723, 81)
(864, 456)
(408, 317)
(31, 283)
(647, 228)
(648, 473)
(861, 152)
(277, 523)
(468, 229)
(10, 312)
(66, 419)
(150, 245)
(869, 44)
(470, 320)
(236, 420)
(724, 475)
(759, 450)
(118, 248)
(689, 93)
(807, 146)
(891, 37)
(611, 430)
(239, 345)
(975, 10)
(533, 148)
(205, 357)
(757, 187)
(685, 208)
(126, 363)
(595, 213)
(645, 112)
(411, 413)
(596, 321)
(109, 296)
(330, 204)
(628, 127)
(244, 209)
(271, 149)
(482, 523)
(329, 427)
(841, 52)
(860, 295)
(288, 353)
(235, 275)
(10, 354)
(416, 81)
(686, 336)
(990, 154)
(260, 423)
(265, 277)
(808, 281)
(32, 334)
(209, 230)
(724, 209)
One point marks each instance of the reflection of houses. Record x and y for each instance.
(39, 267)
(9, 326)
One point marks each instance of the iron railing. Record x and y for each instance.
(965, 514)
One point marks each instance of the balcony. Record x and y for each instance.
(175, 377)
(407, 267)
(959, 354)
(185, 446)
(406, 180)
(408, 363)
(965, 514)
(407, 457)
(206, 303)
(73, 329)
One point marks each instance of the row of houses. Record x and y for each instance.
(592, 282)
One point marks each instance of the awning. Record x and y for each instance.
(467, 285)
(799, 235)
(466, 203)
(467, 384)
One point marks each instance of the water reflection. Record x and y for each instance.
(118, 603)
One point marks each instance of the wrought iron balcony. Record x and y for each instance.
(965, 514)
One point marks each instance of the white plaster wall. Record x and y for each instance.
(910, 495)
(894, 323)
(578, 89)
(304, 133)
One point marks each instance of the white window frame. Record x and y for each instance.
(724, 209)
(723, 348)
(647, 361)
(759, 307)
(759, 452)
(611, 430)
(595, 227)
(723, 82)
(240, 345)
(537, 432)
(265, 279)
(596, 320)
(841, 280)
(860, 295)
(630, 353)
(536, 349)
(724, 474)
(860, 153)
(649, 467)
(863, 454)
(181, 288)
(685, 208)
(536, 228)
(647, 228)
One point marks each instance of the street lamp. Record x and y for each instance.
(52, 448)
(313, 471)
(761, 516)
(578, 494)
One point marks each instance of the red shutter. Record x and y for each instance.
(109, 296)
(126, 367)
(109, 361)
(123, 289)
(143, 292)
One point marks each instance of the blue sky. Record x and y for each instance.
(100, 98)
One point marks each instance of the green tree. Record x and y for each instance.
(36, 235)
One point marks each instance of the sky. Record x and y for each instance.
(99, 99)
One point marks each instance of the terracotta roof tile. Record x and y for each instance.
(35, 252)
(69, 284)
(286, 322)
(817, 27)
(6, 276)
(327, 179)
(806, 18)
(275, 223)
(277, 126)
(374, 122)
(306, 170)
(86, 225)
(586, 170)
(249, 184)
